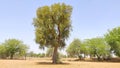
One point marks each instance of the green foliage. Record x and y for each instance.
(41, 55)
(52, 22)
(52, 26)
(13, 47)
(84, 48)
(95, 47)
(77, 48)
(74, 48)
(98, 47)
(113, 39)
(3, 52)
(32, 54)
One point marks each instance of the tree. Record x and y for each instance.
(52, 26)
(98, 47)
(3, 52)
(78, 48)
(74, 48)
(113, 39)
(84, 49)
(15, 47)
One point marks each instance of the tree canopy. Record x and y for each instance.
(98, 47)
(74, 48)
(3, 51)
(13, 47)
(95, 47)
(113, 39)
(52, 26)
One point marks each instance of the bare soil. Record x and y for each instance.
(46, 63)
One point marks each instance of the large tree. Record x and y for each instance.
(52, 26)
(113, 39)
(14, 47)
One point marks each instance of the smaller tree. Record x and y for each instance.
(74, 48)
(113, 39)
(3, 52)
(98, 48)
(15, 47)
(84, 49)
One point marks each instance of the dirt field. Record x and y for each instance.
(45, 63)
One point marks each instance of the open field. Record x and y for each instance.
(45, 63)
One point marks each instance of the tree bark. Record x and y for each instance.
(55, 55)
(11, 56)
(25, 56)
(98, 57)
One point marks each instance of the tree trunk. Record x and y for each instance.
(25, 56)
(55, 55)
(84, 56)
(98, 57)
(11, 56)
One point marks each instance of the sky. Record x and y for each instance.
(90, 18)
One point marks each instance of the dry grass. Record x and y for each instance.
(46, 63)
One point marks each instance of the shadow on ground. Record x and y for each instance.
(113, 60)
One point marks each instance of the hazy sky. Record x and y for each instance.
(90, 18)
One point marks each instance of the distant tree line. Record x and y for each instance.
(101, 48)
(16, 49)
(35, 55)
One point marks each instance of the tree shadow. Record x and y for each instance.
(13, 59)
(50, 63)
(112, 60)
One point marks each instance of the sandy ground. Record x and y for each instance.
(46, 63)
